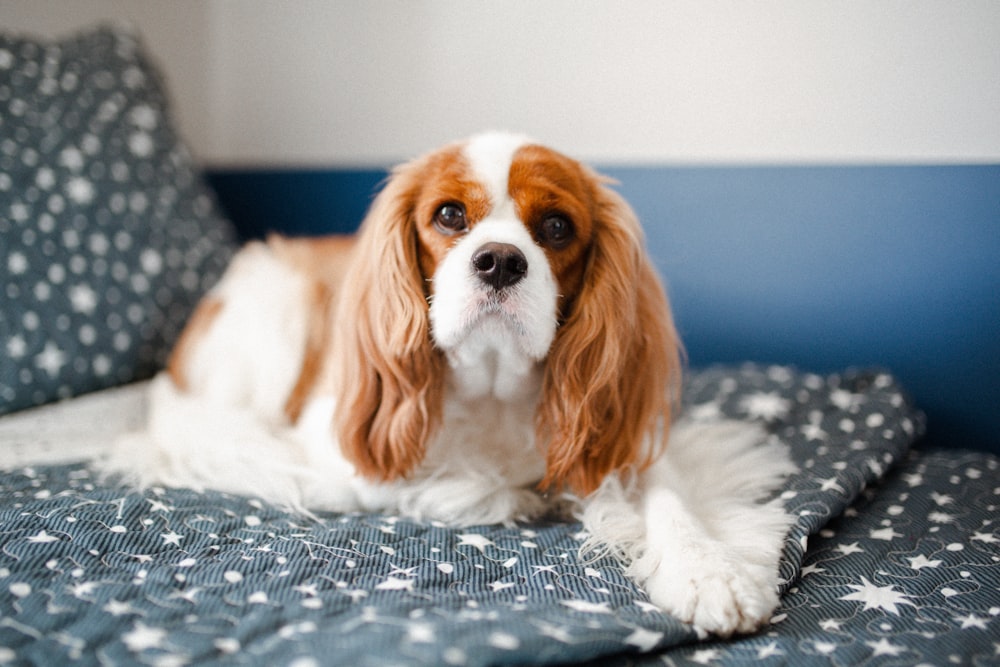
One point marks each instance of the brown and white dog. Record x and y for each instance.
(495, 336)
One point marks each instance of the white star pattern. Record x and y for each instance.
(558, 632)
(421, 633)
(117, 608)
(769, 651)
(985, 538)
(19, 212)
(498, 586)
(825, 648)
(307, 589)
(72, 158)
(257, 597)
(101, 365)
(144, 117)
(588, 607)
(51, 359)
(141, 144)
(813, 432)
(151, 261)
(812, 568)
(142, 637)
(16, 347)
(475, 540)
(885, 598)
(227, 645)
(403, 571)
(831, 484)
(395, 584)
(886, 534)
(172, 538)
(705, 656)
(188, 595)
(17, 263)
(45, 178)
(848, 549)
(643, 639)
(767, 406)
(42, 538)
(80, 190)
(921, 561)
(884, 647)
(356, 594)
(83, 299)
(972, 621)
(845, 400)
(158, 506)
(83, 589)
(20, 589)
(503, 640)
(941, 498)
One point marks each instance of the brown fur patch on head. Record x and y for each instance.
(543, 184)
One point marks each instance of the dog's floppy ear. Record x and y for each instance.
(613, 373)
(388, 375)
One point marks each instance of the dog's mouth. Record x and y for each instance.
(495, 313)
(494, 301)
(498, 321)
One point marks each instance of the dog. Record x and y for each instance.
(494, 340)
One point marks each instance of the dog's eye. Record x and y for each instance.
(555, 231)
(450, 219)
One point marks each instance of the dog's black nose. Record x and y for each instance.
(499, 265)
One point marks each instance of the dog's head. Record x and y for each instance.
(497, 247)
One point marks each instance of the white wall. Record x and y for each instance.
(318, 82)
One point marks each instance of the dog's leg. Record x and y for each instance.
(697, 577)
(694, 528)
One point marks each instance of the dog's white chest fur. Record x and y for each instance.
(483, 461)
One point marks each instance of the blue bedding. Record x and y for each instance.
(893, 557)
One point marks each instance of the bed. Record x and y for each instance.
(109, 235)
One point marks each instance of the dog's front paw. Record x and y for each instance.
(715, 594)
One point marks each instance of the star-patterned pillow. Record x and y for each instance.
(108, 236)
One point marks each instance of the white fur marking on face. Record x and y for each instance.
(490, 155)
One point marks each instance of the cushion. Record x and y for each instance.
(108, 236)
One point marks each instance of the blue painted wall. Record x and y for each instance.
(820, 267)
(296, 201)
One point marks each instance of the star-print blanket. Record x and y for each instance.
(894, 559)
